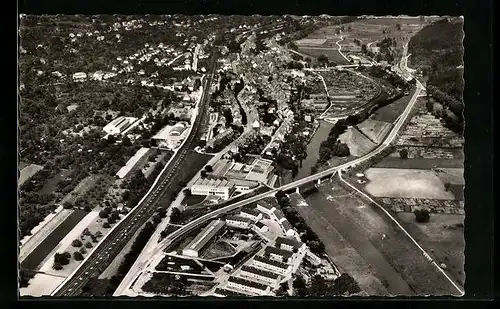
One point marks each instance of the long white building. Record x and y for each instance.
(218, 187)
(201, 240)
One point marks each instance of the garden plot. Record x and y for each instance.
(27, 172)
(358, 143)
(81, 189)
(375, 130)
(406, 183)
(434, 206)
(428, 131)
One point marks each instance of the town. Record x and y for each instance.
(241, 156)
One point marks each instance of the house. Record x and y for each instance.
(248, 286)
(80, 76)
(277, 254)
(218, 187)
(251, 213)
(259, 274)
(279, 215)
(265, 207)
(202, 239)
(239, 222)
(289, 244)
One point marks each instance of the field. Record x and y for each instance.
(396, 260)
(331, 53)
(41, 285)
(218, 249)
(391, 112)
(35, 258)
(444, 236)
(81, 189)
(51, 185)
(27, 172)
(358, 143)
(410, 183)
(375, 130)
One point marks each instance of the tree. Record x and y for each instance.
(283, 289)
(83, 250)
(398, 27)
(67, 205)
(430, 106)
(187, 192)
(422, 216)
(322, 58)
(299, 284)
(78, 256)
(57, 266)
(319, 286)
(447, 186)
(203, 174)
(403, 153)
(126, 141)
(345, 284)
(106, 225)
(103, 214)
(88, 245)
(62, 258)
(76, 243)
(175, 215)
(209, 168)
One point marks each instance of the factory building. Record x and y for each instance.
(277, 254)
(259, 274)
(202, 239)
(274, 266)
(119, 125)
(248, 286)
(219, 187)
(239, 222)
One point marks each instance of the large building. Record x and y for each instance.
(274, 266)
(218, 187)
(259, 274)
(201, 240)
(239, 222)
(172, 136)
(248, 286)
(277, 254)
(290, 244)
(251, 213)
(287, 228)
(265, 207)
(119, 125)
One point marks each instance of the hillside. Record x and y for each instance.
(438, 50)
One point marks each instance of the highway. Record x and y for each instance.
(113, 242)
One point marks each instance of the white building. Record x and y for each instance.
(287, 228)
(239, 222)
(251, 214)
(248, 286)
(261, 275)
(201, 240)
(265, 207)
(119, 125)
(274, 266)
(218, 187)
(290, 244)
(260, 227)
(277, 254)
(172, 136)
(80, 76)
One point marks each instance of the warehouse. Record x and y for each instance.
(119, 125)
(219, 187)
(201, 240)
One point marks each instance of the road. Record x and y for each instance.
(109, 247)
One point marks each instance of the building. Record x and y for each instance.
(289, 244)
(277, 254)
(265, 207)
(225, 292)
(80, 76)
(201, 240)
(279, 215)
(260, 227)
(251, 213)
(248, 286)
(313, 258)
(172, 136)
(287, 228)
(132, 162)
(274, 266)
(219, 187)
(259, 274)
(119, 125)
(239, 222)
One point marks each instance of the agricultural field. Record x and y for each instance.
(85, 186)
(443, 235)
(40, 253)
(375, 130)
(397, 262)
(322, 42)
(358, 143)
(387, 182)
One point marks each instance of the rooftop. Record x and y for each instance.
(250, 211)
(239, 218)
(286, 225)
(259, 272)
(212, 182)
(288, 241)
(205, 235)
(273, 250)
(270, 262)
(248, 283)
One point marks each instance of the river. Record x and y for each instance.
(319, 136)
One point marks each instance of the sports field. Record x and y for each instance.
(411, 183)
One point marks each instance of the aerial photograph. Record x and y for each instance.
(227, 156)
